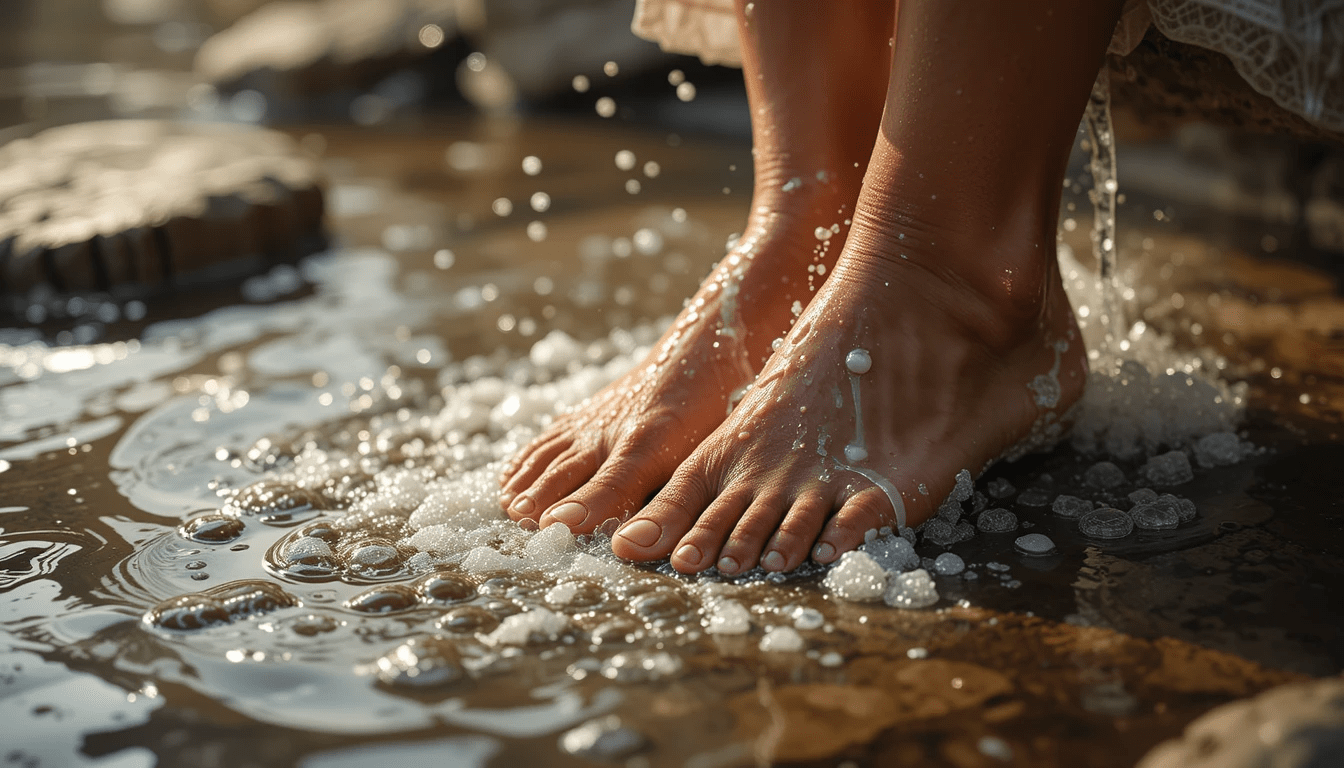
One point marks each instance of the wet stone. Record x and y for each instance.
(1034, 498)
(217, 528)
(1034, 544)
(996, 520)
(1070, 507)
(1185, 508)
(892, 553)
(1171, 468)
(1105, 523)
(950, 511)
(979, 503)
(445, 588)
(603, 739)
(999, 488)
(948, 564)
(1104, 475)
(938, 531)
(965, 531)
(389, 598)
(421, 662)
(1156, 515)
(1220, 449)
(468, 620)
(1142, 496)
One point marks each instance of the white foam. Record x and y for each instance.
(856, 577)
(727, 617)
(782, 639)
(911, 590)
(536, 625)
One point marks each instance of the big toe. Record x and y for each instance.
(653, 532)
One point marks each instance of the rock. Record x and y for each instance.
(421, 662)
(1171, 468)
(948, 564)
(1156, 515)
(892, 553)
(1105, 523)
(103, 205)
(1220, 449)
(1070, 507)
(940, 532)
(999, 488)
(1104, 475)
(1034, 544)
(996, 521)
(1299, 725)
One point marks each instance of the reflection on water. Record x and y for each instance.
(264, 531)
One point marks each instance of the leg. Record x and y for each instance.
(812, 130)
(948, 283)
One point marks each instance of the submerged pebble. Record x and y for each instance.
(1105, 523)
(997, 520)
(1142, 495)
(1220, 449)
(1171, 468)
(445, 588)
(948, 564)
(1157, 515)
(1104, 475)
(1034, 544)
(1070, 507)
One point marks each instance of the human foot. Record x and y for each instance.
(604, 458)
(896, 377)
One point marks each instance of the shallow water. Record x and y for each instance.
(1088, 656)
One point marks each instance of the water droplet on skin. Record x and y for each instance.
(858, 361)
(855, 453)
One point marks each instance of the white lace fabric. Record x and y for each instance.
(1290, 50)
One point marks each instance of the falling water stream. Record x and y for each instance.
(1097, 117)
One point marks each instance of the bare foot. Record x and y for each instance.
(605, 457)
(896, 377)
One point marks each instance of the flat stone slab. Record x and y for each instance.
(94, 206)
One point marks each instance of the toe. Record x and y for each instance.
(569, 470)
(751, 532)
(618, 490)
(790, 545)
(533, 461)
(701, 546)
(864, 511)
(651, 534)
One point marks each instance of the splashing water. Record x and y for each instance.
(1097, 117)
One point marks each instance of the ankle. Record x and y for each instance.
(997, 280)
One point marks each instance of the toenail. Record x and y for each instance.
(522, 505)
(570, 513)
(773, 561)
(506, 499)
(823, 552)
(727, 564)
(641, 533)
(688, 553)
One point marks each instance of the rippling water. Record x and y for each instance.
(129, 475)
